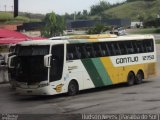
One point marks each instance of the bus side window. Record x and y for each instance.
(69, 52)
(135, 47)
(130, 49)
(87, 51)
(84, 52)
(90, 50)
(116, 48)
(111, 49)
(107, 49)
(81, 51)
(145, 45)
(97, 49)
(140, 48)
(122, 47)
(149, 45)
(103, 49)
(73, 52)
(77, 52)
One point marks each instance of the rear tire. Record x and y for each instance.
(139, 77)
(72, 88)
(131, 79)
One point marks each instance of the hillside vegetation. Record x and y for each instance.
(135, 10)
(7, 18)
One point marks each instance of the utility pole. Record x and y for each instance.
(5, 6)
(74, 16)
(12, 8)
(15, 8)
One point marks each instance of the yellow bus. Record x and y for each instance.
(74, 63)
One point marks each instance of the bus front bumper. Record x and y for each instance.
(38, 91)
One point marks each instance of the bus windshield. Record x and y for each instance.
(29, 64)
(32, 50)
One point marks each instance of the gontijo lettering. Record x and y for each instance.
(127, 60)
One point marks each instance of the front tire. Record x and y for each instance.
(72, 88)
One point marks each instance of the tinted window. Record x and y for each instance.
(32, 50)
(148, 45)
(111, 48)
(140, 47)
(102, 49)
(89, 50)
(129, 47)
(97, 49)
(123, 47)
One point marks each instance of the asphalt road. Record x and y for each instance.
(143, 98)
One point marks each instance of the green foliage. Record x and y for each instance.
(54, 25)
(22, 18)
(152, 23)
(77, 15)
(157, 30)
(35, 20)
(138, 10)
(97, 9)
(97, 29)
(68, 16)
(5, 16)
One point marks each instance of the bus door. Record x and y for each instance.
(56, 63)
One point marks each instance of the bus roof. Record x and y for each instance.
(96, 36)
(85, 39)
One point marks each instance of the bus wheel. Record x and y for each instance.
(139, 77)
(73, 88)
(130, 79)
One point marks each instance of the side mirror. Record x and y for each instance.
(11, 61)
(47, 60)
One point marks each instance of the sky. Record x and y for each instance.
(46, 6)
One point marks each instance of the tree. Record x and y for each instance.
(85, 13)
(102, 6)
(97, 29)
(54, 25)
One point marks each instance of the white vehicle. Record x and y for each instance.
(81, 62)
(119, 31)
